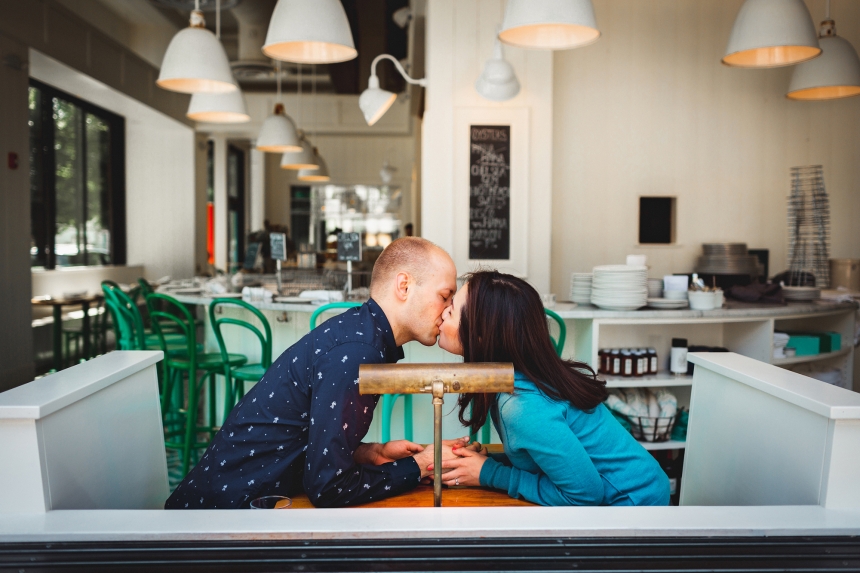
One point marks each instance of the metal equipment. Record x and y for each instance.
(436, 379)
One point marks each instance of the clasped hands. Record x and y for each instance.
(461, 461)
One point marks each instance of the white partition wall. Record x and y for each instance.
(88, 437)
(762, 435)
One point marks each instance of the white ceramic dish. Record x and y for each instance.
(701, 300)
(667, 304)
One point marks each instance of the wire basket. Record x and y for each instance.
(650, 429)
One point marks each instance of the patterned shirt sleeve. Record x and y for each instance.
(340, 418)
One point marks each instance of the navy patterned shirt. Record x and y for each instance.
(299, 426)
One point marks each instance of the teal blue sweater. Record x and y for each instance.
(556, 454)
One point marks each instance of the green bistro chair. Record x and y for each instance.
(388, 400)
(129, 326)
(189, 363)
(236, 376)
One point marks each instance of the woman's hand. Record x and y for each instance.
(465, 469)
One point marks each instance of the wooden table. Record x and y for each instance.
(422, 496)
(57, 303)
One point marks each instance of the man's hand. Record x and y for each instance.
(378, 454)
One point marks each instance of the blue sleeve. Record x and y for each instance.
(536, 426)
(339, 420)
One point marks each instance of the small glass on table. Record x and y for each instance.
(272, 502)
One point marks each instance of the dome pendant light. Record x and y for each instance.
(278, 134)
(771, 33)
(195, 61)
(304, 157)
(218, 108)
(309, 32)
(498, 82)
(226, 107)
(836, 74)
(373, 101)
(320, 174)
(549, 24)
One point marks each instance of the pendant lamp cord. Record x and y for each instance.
(314, 98)
(300, 94)
(827, 10)
(217, 18)
(279, 80)
(196, 5)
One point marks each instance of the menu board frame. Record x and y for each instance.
(518, 121)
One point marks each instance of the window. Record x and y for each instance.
(77, 181)
(300, 216)
(235, 207)
(656, 220)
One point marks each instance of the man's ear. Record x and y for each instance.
(402, 281)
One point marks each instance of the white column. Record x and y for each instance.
(258, 188)
(220, 183)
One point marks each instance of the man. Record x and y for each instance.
(300, 427)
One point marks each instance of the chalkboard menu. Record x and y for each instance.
(278, 244)
(348, 247)
(490, 192)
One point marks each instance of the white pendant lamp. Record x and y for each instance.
(373, 101)
(303, 159)
(498, 81)
(320, 174)
(218, 108)
(836, 74)
(771, 33)
(309, 32)
(278, 134)
(549, 24)
(196, 62)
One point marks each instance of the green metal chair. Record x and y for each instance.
(236, 376)
(562, 331)
(189, 362)
(388, 400)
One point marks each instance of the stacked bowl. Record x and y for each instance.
(580, 288)
(620, 287)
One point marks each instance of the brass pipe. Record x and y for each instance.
(436, 379)
(438, 400)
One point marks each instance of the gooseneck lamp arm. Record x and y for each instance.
(374, 80)
(436, 379)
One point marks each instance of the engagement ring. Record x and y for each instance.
(456, 481)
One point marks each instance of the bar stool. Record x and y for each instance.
(189, 362)
(388, 400)
(245, 372)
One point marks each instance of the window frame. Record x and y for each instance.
(47, 183)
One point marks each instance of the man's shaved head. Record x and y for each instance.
(407, 254)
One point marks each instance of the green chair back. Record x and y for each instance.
(328, 307)
(179, 321)
(145, 289)
(128, 323)
(264, 336)
(562, 331)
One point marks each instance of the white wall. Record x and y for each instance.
(160, 163)
(460, 37)
(650, 110)
(16, 342)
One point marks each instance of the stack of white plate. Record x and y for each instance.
(801, 293)
(667, 303)
(580, 288)
(620, 287)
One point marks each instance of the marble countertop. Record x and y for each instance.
(733, 310)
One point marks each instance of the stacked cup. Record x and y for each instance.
(580, 287)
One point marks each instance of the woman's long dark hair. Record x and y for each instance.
(503, 320)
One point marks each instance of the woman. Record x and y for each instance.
(562, 446)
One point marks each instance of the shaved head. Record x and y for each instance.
(408, 254)
(414, 281)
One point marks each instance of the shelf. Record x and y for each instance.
(811, 358)
(667, 445)
(660, 379)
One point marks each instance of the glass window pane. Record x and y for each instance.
(69, 240)
(232, 225)
(98, 191)
(38, 207)
(233, 174)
